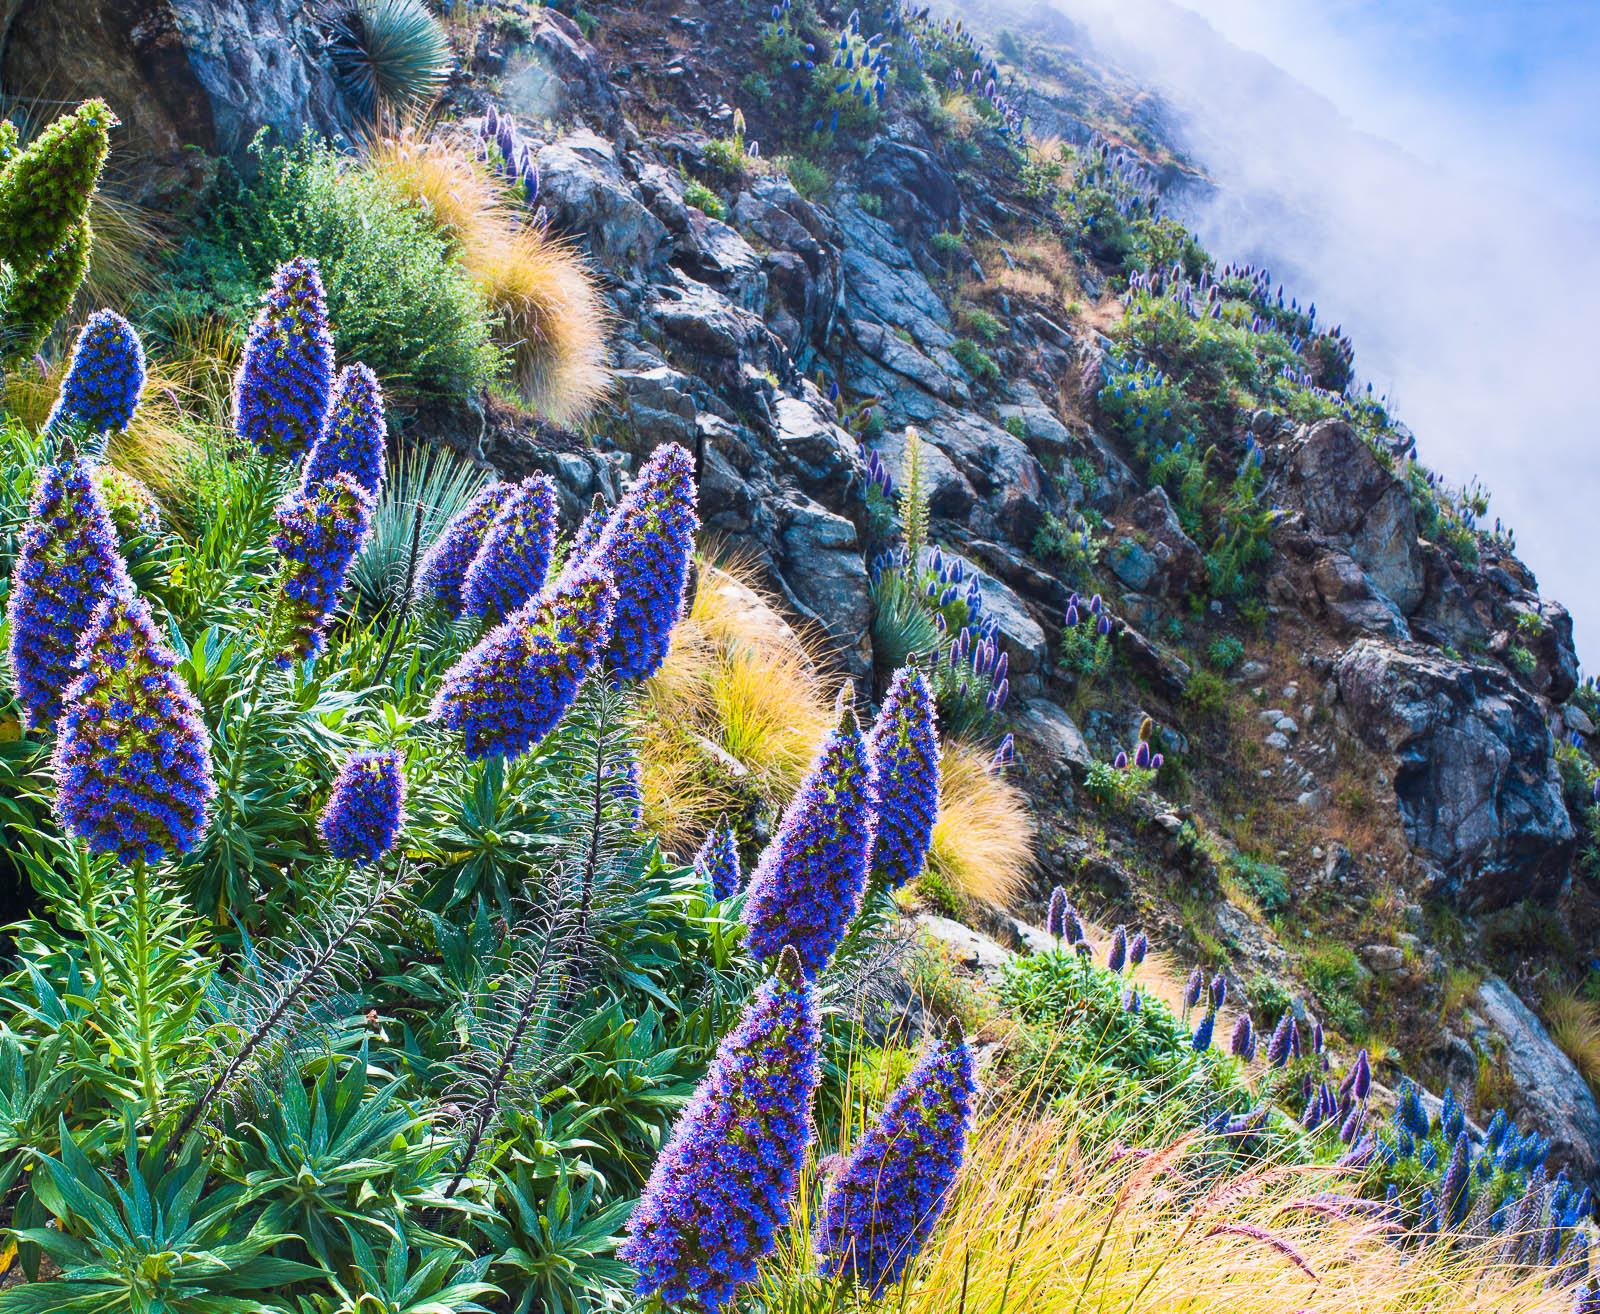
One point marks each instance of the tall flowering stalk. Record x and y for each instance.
(104, 378)
(881, 1208)
(807, 885)
(445, 563)
(1055, 920)
(645, 547)
(321, 530)
(717, 863)
(133, 764)
(67, 567)
(286, 373)
(366, 808)
(511, 564)
(510, 690)
(721, 1188)
(353, 433)
(904, 745)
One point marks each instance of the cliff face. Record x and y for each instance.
(1373, 714)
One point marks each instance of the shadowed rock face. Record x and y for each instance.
(1350, 499)
(1475, 775)
(179, 72)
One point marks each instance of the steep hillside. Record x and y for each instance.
(1216, 657)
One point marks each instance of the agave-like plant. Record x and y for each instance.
(389, 54)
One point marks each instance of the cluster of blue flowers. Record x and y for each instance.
(67, 567)
(104, 378)
(882, 1206)
(904, 747)
(721, 1187)
(717, 863)
(808, 883)
(353, 434)
(645, 547)
(286, 374)
(514, 557)
(321, 530)
(511, 689)
(443, 571)
(366, 808)
(501, 147)
(133, 763)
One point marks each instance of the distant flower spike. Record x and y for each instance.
(720, 1190)
(353, 433)
(366, 808)
(881, 1207)
(1056, 918)
(1117, 954)
(904, 745)
(645, 548)
(1138, 947)
(67, 566)
(1243, 1041)
(321, 531)
(717, 863)
(133, 764)
(104, 378)
(511, 565)
(510, 690)
(443, 571)
(808, 883)
(286, 373)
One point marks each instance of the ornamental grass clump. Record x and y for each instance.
(321, 530)
(510, 690)
(717, 863)
(67, 567)
(353, 433)
(720, 1190)
(285, 378)
(366, 808)
(808, 883)
(444, 566)
(904, 746)
(104, 378)
(133, 763)
(511, 564)
(882, 1206)
(645, 548)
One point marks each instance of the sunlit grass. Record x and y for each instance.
(983, 841)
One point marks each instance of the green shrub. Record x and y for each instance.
(980, 321)
(1117, 787)
(1224, 652)
(1015, 426)
(1267, 883)
(1207, 694)
(398, 298)
(811, 180)
(1522, 661)
(947, 243)
(700, 196)
(756, 87)
(974, 361)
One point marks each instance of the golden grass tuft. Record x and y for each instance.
(983, 840)
(735, 716)
(1575, 1026)
(1039, 1221)
(543, 298)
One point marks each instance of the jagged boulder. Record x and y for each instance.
(1177, 558)
(556, 74)
(583, 186)
(1350, 499)
(1475, 776)
(1550, 1092)
(918, 194)
(179, 73)
(822, 567)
